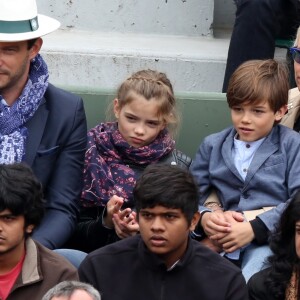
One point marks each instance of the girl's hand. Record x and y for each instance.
(125, 223)
(113, 206)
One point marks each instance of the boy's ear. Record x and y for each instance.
(195, 221)
(280, 113)
(116, 108)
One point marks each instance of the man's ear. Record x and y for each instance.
(29, 228)
(35, 49)
(195, 221)
(116, 108)
(280, 113)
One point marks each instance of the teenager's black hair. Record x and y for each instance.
(21, 193)
(285, 258)
(168, 186)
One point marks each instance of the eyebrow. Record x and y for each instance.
(148, 120)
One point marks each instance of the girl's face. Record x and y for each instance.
(138, 121)
(297, 238)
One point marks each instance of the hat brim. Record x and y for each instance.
(46, 25)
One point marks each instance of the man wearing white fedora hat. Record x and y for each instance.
(40, 124)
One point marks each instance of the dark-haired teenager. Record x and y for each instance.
(27, 269)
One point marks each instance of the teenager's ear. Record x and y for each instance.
(116, 108)
(280, 113)
(29, 228)
(195, 221)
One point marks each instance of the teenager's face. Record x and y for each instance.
(254, 121)
(138, 121)
(165, 232)
(12, 234)
(15, 60)
(297, 238)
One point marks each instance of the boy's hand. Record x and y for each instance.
(125, 223)
(215, 222)
(241, 234)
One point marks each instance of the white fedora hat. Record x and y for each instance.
(19, 21)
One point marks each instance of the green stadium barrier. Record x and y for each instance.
(201, 114)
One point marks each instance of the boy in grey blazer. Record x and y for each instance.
(253, 166)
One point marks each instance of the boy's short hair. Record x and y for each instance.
(258, 80)
(21, 193)
(168, 186)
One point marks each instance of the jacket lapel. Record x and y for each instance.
(36, 126)
(266, 149)
(227, 154)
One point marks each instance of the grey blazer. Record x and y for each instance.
(272, 178)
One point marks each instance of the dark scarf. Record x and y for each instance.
(108, 158)
(13, 133)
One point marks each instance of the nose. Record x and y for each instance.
(246, 117)
(139, 129)
(157, 224)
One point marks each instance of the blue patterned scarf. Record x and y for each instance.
(108, 163)
(13, 133)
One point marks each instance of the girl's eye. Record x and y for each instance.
(153, 124)
(130, 118)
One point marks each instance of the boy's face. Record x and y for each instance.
(165, 231)
(254, 121)
(12, 234)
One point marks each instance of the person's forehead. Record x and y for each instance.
(5, 212)
(13, 44)
(77, 295)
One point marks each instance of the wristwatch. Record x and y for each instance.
(213, 205)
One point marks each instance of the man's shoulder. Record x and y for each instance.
(55, 95)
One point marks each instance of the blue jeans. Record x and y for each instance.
(75, 257)
(255, 259)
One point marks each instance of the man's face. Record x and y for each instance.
(165, 232)
(15, 60)
(12, 234)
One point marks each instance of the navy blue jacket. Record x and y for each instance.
(55, 150)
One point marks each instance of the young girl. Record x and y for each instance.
(118, 152)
